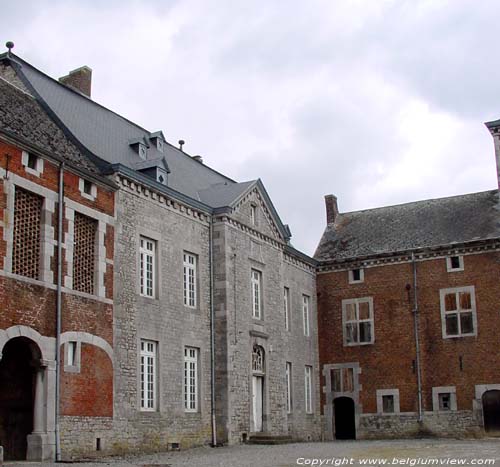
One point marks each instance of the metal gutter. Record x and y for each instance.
(417, 340)
(212, 335)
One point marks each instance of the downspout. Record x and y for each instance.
(212, 333)
(59, 307)
(417, 342)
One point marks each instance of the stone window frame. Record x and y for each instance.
(308, 389)
(47, 231)
(380, 404)
(186, 383)
(93, 189)
(256, 282)
(361, 276)
(192, 266)
(449, 265)
(437, 390)
(306, 314)
(38, 171)
(103, 220)
(289, 386)
(442, 294)
(356, 301)
(74, 367)
(254, 217)
(154, 354)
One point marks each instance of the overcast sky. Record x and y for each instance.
(377, 102)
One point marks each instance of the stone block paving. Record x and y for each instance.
(399, 452)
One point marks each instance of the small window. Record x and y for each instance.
(387, 401)
(253, 214)
(147, 267)
(458, 312)
(71, 353)
(159, 144)
(148, 373)
(356, 276)
(308, 389)
(72, 357)
(454, 263)
(256, 279)
(32, 163)
(191, 379)
(444, 401)
(305, 315)
(358, 321)
(87, 189)
(190, 280)
(444, 398)
(143, 152)
(388, 404)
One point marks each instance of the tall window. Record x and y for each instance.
(256, 294)
(148, 375)
(286, 307)
(190, 265)
(358, 321)
(288, 375)
(84, 253)
(148, 256)
(458, 312)
(308, 388)
(253, 214)
(305, 314)
(26, 239)
(190, 379)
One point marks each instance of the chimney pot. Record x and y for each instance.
(332, 210)
(79, 79)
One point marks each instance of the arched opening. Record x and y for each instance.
(17, 392)
(344, 419)
(258, 375)
(491, 410)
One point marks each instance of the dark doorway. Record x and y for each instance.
(491, 411)
(344, 418)
(16, 397)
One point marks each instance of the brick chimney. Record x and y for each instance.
(79, 79)
(332, 209)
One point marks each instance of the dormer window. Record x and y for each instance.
(159, 144)
(143, 151)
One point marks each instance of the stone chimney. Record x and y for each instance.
(79, 79)
(332, 209)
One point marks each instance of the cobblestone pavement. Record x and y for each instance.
(400, 452)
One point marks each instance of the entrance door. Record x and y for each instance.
(344, 419)
(258, 387)
(16, 398)
(491, 411)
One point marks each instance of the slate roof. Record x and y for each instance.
(224, 194)
(421, 224)
(108, 135)
(22, 117)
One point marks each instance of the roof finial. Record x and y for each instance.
(10, 46)
(181, 143)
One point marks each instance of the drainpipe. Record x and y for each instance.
(417, 343)
(59, 306)
(212, 333)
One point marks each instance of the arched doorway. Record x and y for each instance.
(17, 392)
(491, 410)
(344, 419)
(258, 375)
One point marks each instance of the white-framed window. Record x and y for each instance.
(288, 376)
(32, 163)
(387, 401)
(253, 214)
(455, 263)
(87, 189)
(148, 267)
(357, 317)
(286, 307)
(444, 398)
(71, 353)
(191, 379)
(148, 375)
(256, 280)
(308, 389)
(458, 312)
(305, 315)
(190, 279)
(356, 276)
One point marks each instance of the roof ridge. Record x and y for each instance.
(417, 202)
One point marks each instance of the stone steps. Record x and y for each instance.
(267, 438)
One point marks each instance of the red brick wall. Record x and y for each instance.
(388, 362)
(90, 392)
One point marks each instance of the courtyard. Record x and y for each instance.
(395, 452)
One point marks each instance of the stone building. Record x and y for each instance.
(408, 316)
(211, 322)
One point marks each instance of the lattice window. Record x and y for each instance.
(84, 253)
(26, 241)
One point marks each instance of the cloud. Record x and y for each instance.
(376, 102)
